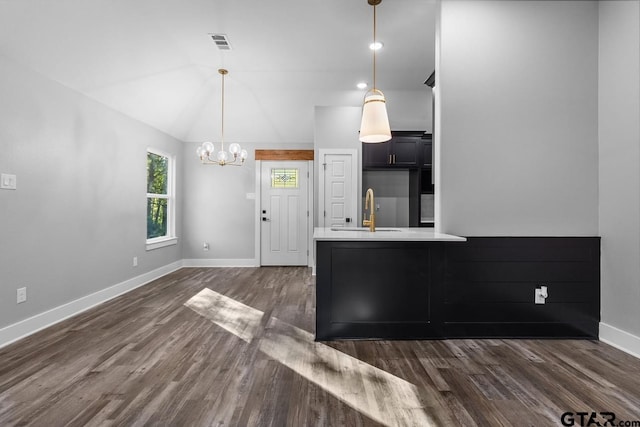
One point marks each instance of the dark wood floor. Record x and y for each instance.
(234, 347)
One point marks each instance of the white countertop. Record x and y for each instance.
(384, 234)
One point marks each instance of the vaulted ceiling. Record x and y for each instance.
(153, 60)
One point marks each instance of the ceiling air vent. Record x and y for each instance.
(221, 41)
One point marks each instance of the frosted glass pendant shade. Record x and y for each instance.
(374, 126)
(222, 157)
(207, 148)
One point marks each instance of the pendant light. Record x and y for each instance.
(374, 126)
(235, 156)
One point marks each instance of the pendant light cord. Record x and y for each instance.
(374, 47)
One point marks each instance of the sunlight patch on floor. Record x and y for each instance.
(379, 395)
(237, 318)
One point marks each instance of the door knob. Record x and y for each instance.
(265, 219)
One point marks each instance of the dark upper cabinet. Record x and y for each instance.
(376, 155)
(405, 151)
(402, 151)
(426, 148)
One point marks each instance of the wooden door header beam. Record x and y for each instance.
(284, 155)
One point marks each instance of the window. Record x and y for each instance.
(160, 200)
(284, 178)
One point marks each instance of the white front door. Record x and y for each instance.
(284, 213)
(338, 190)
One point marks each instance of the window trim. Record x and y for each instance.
(170, 238)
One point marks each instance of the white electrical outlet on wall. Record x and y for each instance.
(21, 295)
(8, 181)
(541, 295)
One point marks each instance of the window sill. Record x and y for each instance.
(161, 242)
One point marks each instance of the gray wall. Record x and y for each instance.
(619, 132)
(336, 127)
(78, 216)
(517, 84)
(410, 110)
(216, 207)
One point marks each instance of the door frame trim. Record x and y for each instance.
(257, 214)
(354, 184)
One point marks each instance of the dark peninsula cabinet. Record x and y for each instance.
(377, 290)
(489, 285)
(375, 287)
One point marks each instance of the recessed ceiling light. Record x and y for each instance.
(362, 85)
(376, 46)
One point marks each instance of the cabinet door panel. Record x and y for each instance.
(380, 284)
(375, 155)
(405, 151)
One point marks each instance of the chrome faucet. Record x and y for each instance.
(369, 203)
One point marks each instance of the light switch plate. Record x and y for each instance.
(8, 181)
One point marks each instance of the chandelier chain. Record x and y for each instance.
(222, 115)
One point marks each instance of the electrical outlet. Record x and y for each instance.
(21, 295)
(205, 246)
(8, 181)
(540, 295)
(135, 261)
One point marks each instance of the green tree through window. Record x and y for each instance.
(158, 195)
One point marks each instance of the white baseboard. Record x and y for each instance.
(201, 262)
(41, 321)
(620, 339)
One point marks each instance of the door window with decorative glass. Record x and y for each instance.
(160, 197)
(284, 178)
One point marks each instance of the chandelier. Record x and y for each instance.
(374, 126)
(236, 154)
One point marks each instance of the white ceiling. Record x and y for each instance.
(154, 61)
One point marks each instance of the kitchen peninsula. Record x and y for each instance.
(413, 283)
(382, 284)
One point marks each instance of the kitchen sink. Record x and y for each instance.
(365, 229)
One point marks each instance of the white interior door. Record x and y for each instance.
(284, 213)
(339, 190)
